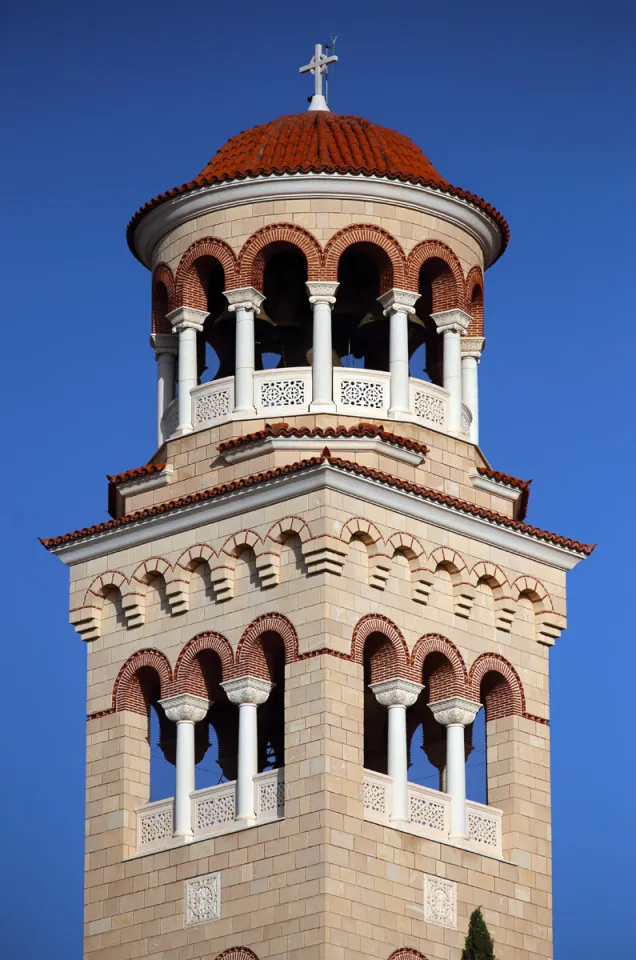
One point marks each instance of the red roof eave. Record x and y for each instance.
(406, 486)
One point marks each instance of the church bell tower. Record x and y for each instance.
(317, 586)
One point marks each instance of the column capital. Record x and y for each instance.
(398, 301)
(248, 690)
(453, 321)
(184, 318)
(245, 298)
(454, 711)
(164, 343)
(322, 291)
(185, 707)
(396, 692)
(472, 347)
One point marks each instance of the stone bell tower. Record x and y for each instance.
(317, 577)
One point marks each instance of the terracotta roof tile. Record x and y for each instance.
(321, 142)
(135, 473)
(407, 486)
(521, 507)
(361, 430)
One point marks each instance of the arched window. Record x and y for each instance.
(216, 342)
(379, 663)
(284, 325)
(437, 290)
(360, 329)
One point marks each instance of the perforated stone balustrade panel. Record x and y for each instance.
(376, 796)
(212, 402)
(484, 828)
(269, 800)
(429, 403)
(429, 811)
(361, 390)
(213, 809)
(154, 825)
(288, 390)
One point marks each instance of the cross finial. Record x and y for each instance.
(318, 65)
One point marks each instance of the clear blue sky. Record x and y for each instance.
(107, 105)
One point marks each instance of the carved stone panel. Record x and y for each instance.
(440, 901)
(203, 899)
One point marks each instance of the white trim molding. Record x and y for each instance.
(338, 446)
(496, 488)
(427, 200)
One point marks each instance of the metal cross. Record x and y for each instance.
(318, 65)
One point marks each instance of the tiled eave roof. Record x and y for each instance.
(415, 489)
(508, 481)
(362, 430)
(135, 473)
(200, 182)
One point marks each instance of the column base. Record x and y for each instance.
(245, 821)
(184, 837)
(397, 412)
(182, 431)
(321, 406)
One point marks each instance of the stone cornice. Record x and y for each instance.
(310, 477)
(428, 200)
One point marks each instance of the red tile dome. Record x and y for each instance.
(321, 142)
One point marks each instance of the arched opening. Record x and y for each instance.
(215, 343)
(436, 286)
(360, 329)
(427, 737)
(379, 663)
(216, 736)
(271, 714)
(498, 699)
(162, 733)
(476, 311)
(283, 328)
(160, 308)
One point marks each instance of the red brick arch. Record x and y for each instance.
(127, 692)
(507, 697)
(450, 682)
(475, 302)
(392, 659)
(407, 954)
(237, 953)
(253, 256)
(189, 289)
(163, 301)
(249, 654)
(186, 678)
(448, 289)
(367, 233)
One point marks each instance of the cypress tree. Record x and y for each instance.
(479, 944)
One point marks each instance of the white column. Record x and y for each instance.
(166, 347)
(455, 713)
(397, 694)
(185, 710)
(322, 296)
(451, 324)
(244, 303)
(397, 305)
(249, 693)
(187, 322)
(471, 350)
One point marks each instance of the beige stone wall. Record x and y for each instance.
(197, 465)
(322, 218)
(322, 883)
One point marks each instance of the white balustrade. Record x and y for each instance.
(484, 828)
(155, 825)
(213, 812)
(429, 404)
(212, 403)
(430, 815)
(170, 419)
(356, 390)
(213, 809)
(269, 795)
(285, 390)
(429, 812)
(288, 391)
